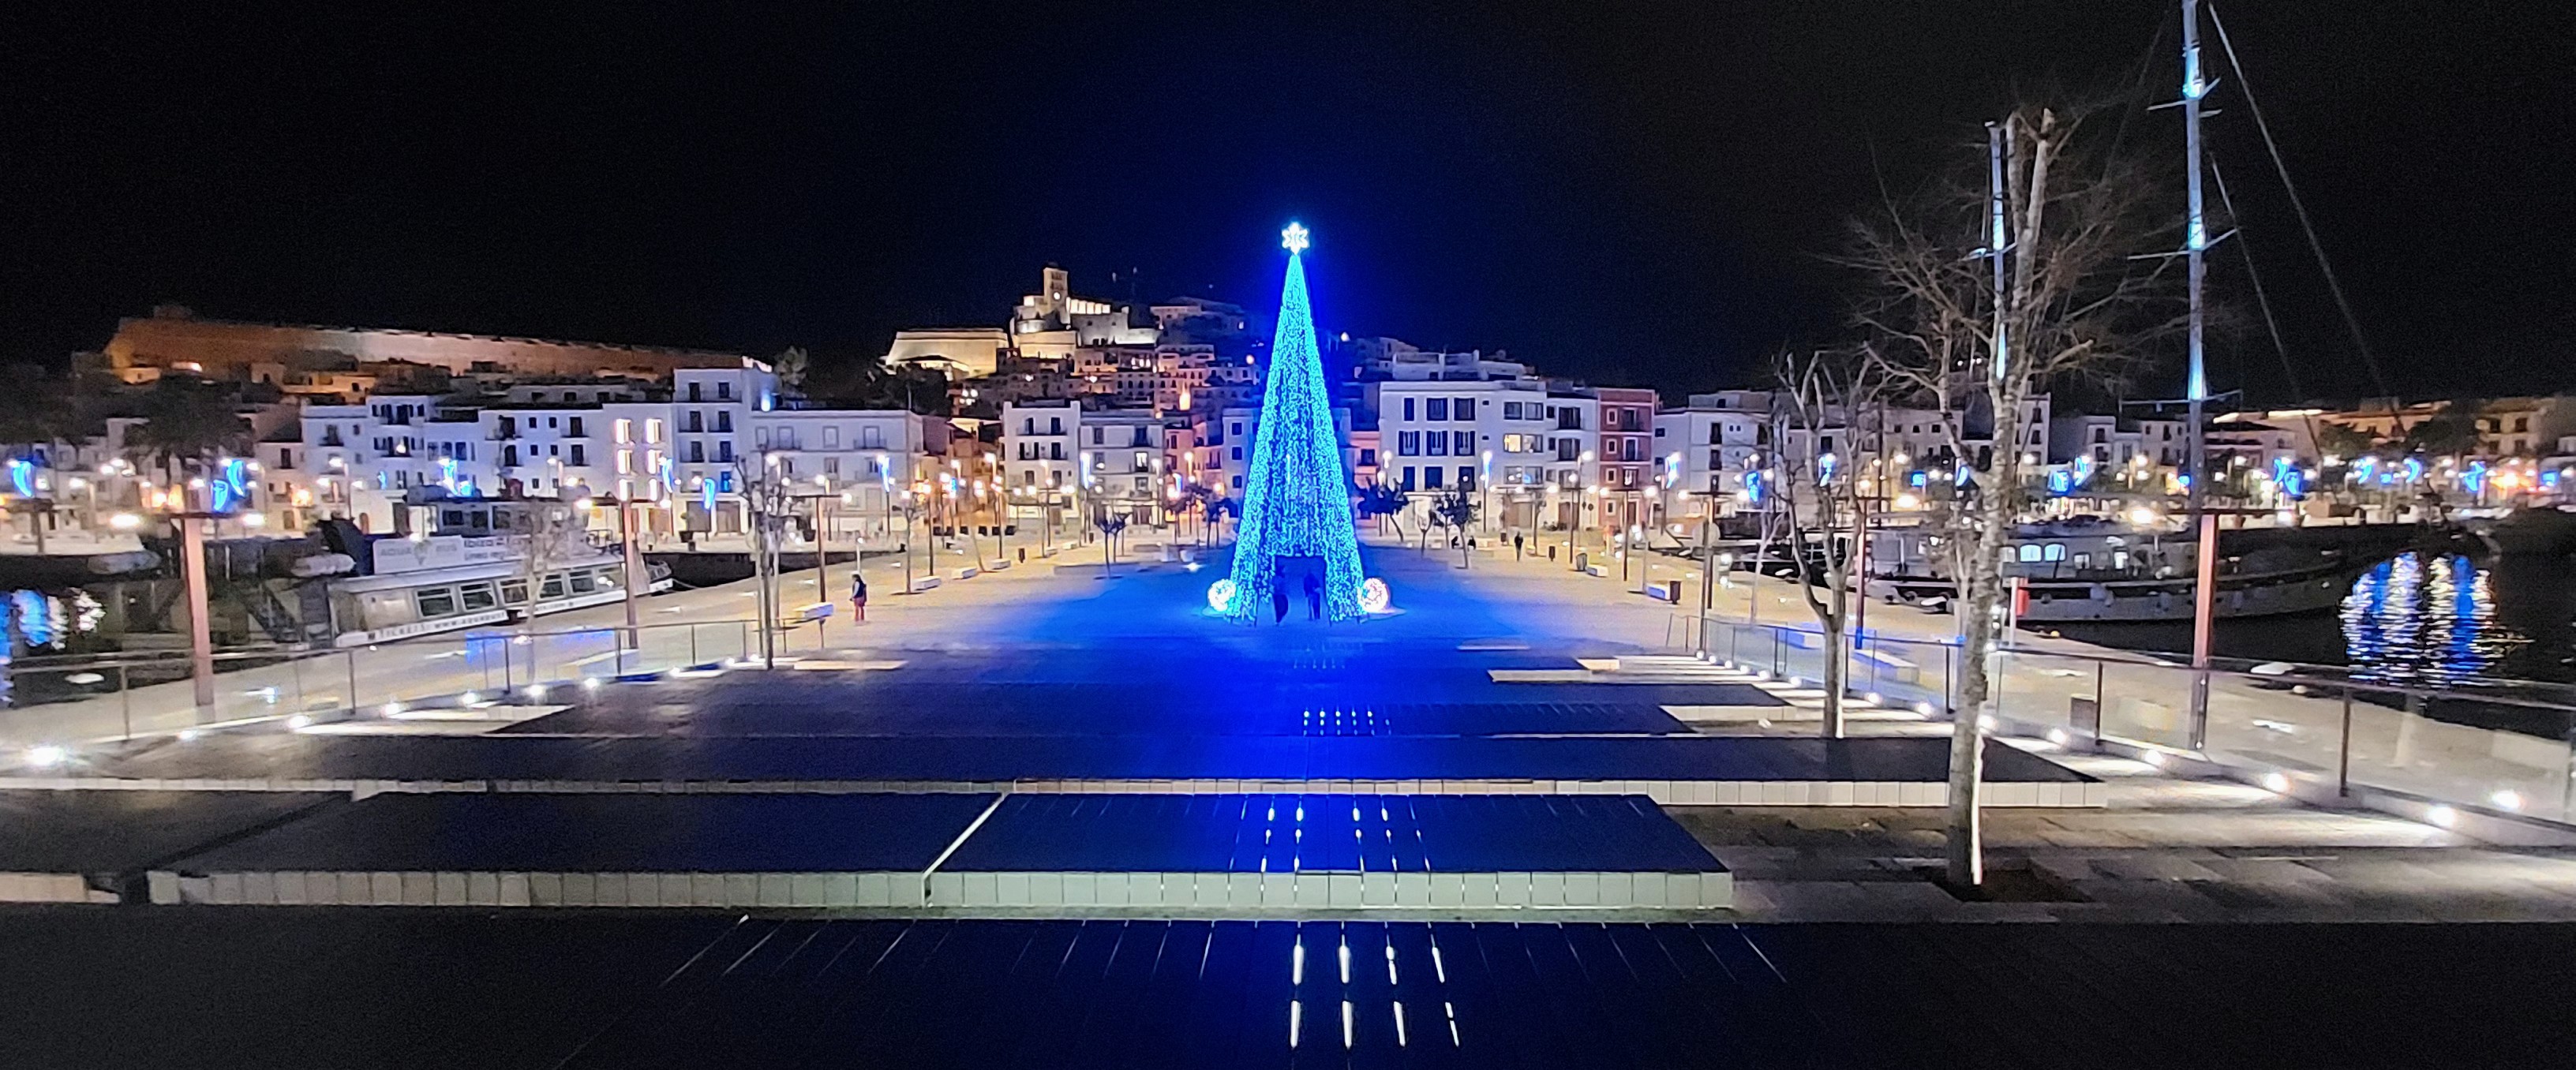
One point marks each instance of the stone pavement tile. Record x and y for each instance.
(2263, 871)
(1858, 901)
(2183, 898)
(2066, 869)
(2150, 866)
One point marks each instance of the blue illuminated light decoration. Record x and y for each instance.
(2475, 479)
(707, 495)
(1296, 497)
(2061, 481)
(2083, 469)
(230, 488)
(1917, 479)
(1753, 485)
(2414, 469)
(1825, 466)
(22, 477)
(2292, 482)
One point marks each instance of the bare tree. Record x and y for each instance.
(767, 507)
(545, 531)
(1454, 509)
(2046, 268)
(1815, 418)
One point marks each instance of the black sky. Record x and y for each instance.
(1624, 192)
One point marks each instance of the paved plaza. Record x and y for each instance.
(1048, 813)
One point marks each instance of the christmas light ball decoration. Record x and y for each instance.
(1220, 595)
(1373, 596)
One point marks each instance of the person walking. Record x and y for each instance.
(1314, 597)
(859, 595)
(1278, 604)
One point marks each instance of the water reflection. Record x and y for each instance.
(2435, 620)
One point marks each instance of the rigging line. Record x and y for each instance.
(2270, 323)
(2146, 70)
(2245, 86)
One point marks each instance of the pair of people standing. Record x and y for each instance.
(1314, 600)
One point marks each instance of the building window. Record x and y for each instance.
(1408, 414)
(577, 455)
(832, 437)
(1368, 458)
(622, 432)
(1407, 481)
(575, 431)
(1464, 443)
(1431, 478)
(1407, 444)
(724, 391)
(1436, 445)
(652, 431)
(1435, 408)
(1466, 477)
(1463, 409)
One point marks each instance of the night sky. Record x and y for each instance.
(1627, 193)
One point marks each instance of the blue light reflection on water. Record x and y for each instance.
(2414, 619)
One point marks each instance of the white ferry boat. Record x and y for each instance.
(439, 583)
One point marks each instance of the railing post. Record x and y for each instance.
(2343, 749)
(349, 659)
(125, 690)
(2200, 710)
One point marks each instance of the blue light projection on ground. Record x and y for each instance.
(1296, 498)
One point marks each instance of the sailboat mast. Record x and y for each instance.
(2195, 244)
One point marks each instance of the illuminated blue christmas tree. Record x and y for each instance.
(1296, 497)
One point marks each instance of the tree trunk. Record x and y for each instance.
(1837, 648)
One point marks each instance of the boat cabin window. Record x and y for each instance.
(584, 583)
(2055, 551)
(2029, 552)
(435, 602)
(476, 597)
(514, 592)
(2084, 561)
(552, 588)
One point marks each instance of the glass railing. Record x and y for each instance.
(68, 701)
(2500, 746)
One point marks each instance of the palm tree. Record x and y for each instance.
(189, 422)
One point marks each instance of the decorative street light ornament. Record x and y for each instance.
(1221, 595)
(1373, 595)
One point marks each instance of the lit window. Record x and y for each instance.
(623, 431)
(653, 430)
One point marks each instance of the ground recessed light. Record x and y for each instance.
(47, 756)
(2276, 783)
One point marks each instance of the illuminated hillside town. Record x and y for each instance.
(1809, 535)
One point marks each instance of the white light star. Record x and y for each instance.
(1293, 239)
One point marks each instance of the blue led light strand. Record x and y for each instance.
(1296, 497)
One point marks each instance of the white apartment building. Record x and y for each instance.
(691, 451)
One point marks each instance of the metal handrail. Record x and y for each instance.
(2490, 689)
(127, 658)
